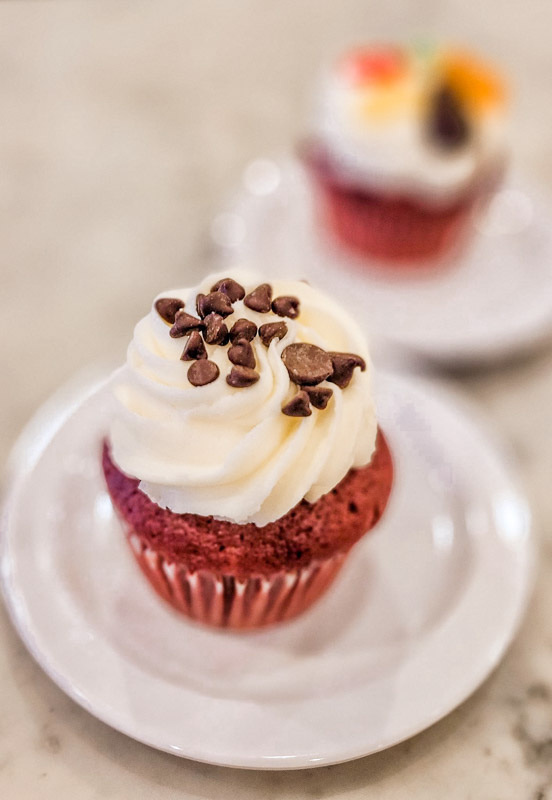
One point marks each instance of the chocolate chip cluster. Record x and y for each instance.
(307, 364)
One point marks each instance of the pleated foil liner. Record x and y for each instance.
(225, 602)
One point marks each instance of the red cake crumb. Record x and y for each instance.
(308, 531)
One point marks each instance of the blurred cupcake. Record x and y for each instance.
(244, 457)
(406, 140)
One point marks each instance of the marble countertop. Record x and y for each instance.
(123, 124)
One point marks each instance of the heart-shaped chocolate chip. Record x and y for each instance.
(307, 364)
(298, 406)
(272, 330)
(242, 377)
(167, 307)
(194, 348)
(243, 329)
(231, 288)
(343, 367)
(216, 331)
(183, 324)
(216, 302)
(286, 306)
(259, 299)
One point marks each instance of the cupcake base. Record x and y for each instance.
(391, 229)
(241, 576)
(224, 601)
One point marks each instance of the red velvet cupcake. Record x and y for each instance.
(407, 141)
(244, 459)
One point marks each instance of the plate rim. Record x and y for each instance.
(83, 386)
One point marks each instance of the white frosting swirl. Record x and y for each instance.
(228, 452)
(376, 133)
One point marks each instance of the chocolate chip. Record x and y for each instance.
(259, 299)
(167, 307)
(286, 307)
(272, 330)
(343, 367)
(319, 396)
(194, 348)
(216, 331)
(214, 301)
(307, 364)
(240, 377)
(230, 288)
(242, 354)
(183, 324)
(298, 406)
(448, 126)
(203, 372)
(243, 329)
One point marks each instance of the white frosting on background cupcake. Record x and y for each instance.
(372, 117)
(231, 452)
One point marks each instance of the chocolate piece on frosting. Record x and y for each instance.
(241, 377)
(307, 364)
(259, 299)
(231, 288)
(243, 329)
(194, 348)
(241, 353)
(286, 306)
(216, 331)
(319, 396)
(214, 301)
(448, 125)
(272, 330)
(343, 367)
(298, 406)
(183, 324)
(167, 307)
(203, 372)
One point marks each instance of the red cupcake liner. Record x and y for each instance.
(392, 229)
(224, 601)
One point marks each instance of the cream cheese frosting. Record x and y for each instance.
(374, 122)
(216, 450)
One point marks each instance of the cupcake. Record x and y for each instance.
(406, 140)
(244, 458)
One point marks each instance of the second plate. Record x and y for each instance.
(493, 301)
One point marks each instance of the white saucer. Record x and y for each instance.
(424, 610)
(494, 301)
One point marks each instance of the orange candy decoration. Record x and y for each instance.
(476, 84)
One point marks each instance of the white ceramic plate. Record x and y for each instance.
(424, 610)
(495, 300)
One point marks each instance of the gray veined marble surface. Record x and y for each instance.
(122, 126)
